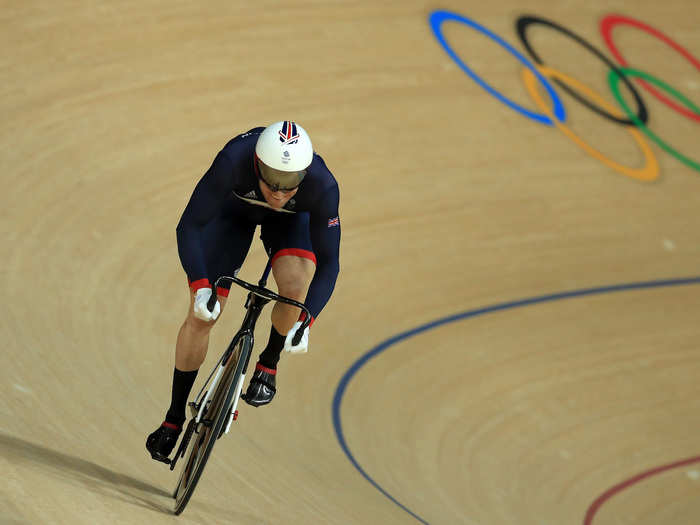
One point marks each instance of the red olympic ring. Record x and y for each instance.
(606, 27)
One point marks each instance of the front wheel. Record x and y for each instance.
(204, 434)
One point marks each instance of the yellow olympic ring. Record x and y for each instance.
(649, 172)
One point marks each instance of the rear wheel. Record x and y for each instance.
(204, 435)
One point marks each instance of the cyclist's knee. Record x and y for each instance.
(293, 284)
(293, 276)
(294, 290)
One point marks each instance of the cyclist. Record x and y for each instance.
(272, 177)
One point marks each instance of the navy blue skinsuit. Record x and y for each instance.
(219, 222)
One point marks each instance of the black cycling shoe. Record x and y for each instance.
(261, 389)
(162, 441)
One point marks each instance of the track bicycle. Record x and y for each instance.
(216, 406)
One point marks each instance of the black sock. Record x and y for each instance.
(271, 355)
(182, 384)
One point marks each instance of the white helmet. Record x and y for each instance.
(283, 151)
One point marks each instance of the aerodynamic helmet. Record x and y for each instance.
(283, 152)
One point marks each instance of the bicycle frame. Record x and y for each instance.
(258, 297)
(223, 394)
(254, 305)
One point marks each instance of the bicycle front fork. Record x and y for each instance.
(234, 412)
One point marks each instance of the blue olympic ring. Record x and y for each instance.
(437, 18)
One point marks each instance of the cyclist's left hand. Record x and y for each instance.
(302, 346)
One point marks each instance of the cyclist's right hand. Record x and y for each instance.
(201, 311)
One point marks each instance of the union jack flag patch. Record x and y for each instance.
(334, 222)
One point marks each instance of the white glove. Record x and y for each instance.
(303, 345)
(201, 298)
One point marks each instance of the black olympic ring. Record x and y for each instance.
(521, 26)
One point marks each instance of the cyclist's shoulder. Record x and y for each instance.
(320, 177)
(319, 190)
(242, 144)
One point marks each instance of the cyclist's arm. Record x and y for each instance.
(324, 227)
(205, 203)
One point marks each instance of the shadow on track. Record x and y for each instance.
(92, 476)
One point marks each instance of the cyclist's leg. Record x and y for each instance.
(293, 274)
(193, 338)
(191, 347)
(288, 242)
(225, 243)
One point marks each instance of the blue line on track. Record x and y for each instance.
(364, 359)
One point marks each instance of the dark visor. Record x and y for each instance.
(278, 180)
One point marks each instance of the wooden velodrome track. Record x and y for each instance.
(570, 410)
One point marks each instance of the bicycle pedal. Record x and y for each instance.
(162, 459)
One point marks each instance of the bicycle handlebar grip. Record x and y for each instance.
(304, 325)
(211, 303)
(298, 335)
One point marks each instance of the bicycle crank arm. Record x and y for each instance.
(183, 444)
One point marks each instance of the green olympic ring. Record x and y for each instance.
(614, 81)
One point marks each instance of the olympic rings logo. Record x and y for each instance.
(634, 120)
